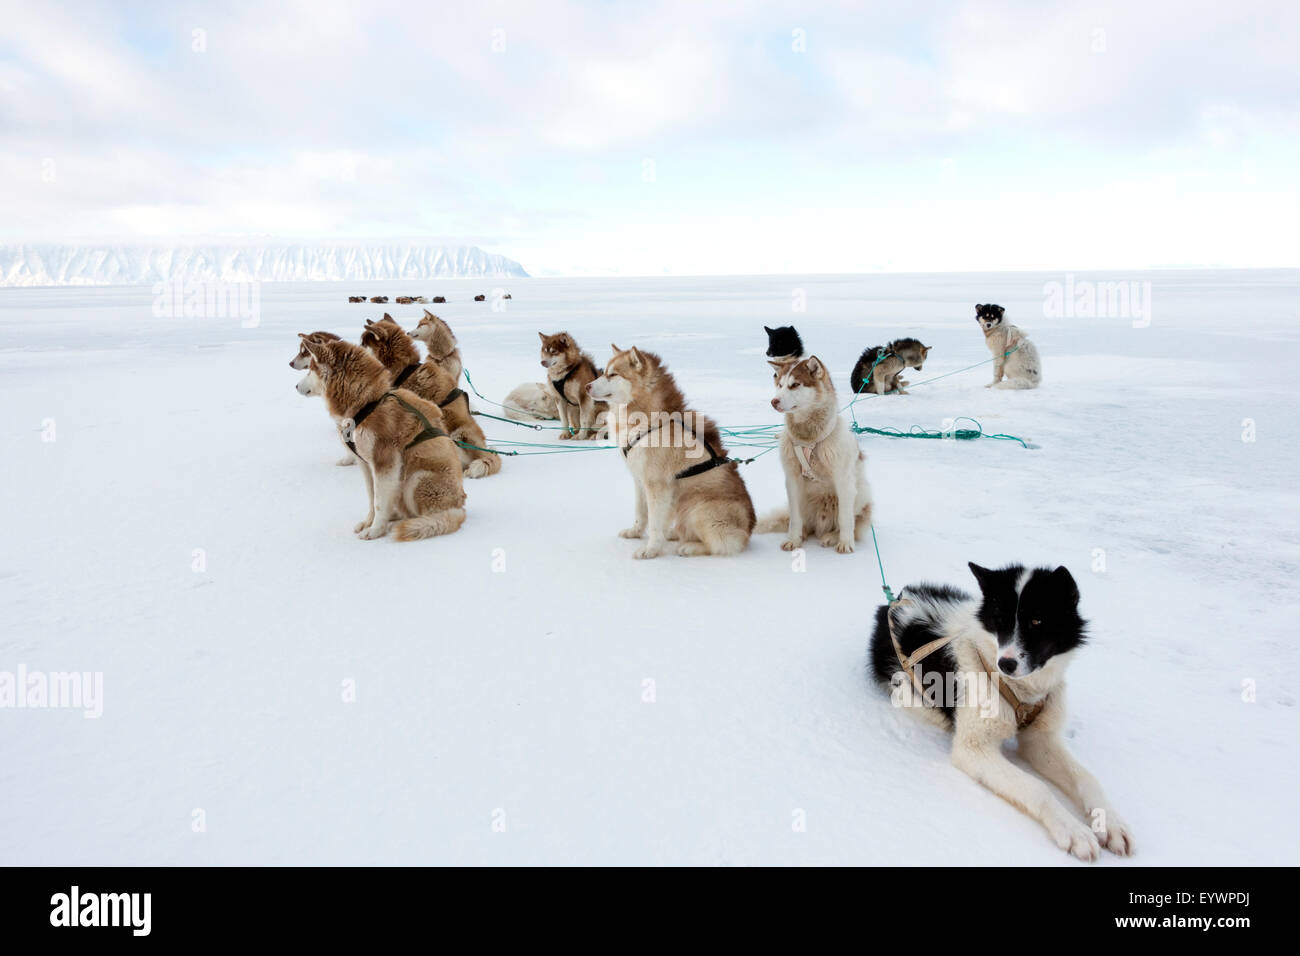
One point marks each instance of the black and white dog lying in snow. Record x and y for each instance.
(1026, 624)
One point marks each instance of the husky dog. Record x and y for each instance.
(1027, 621)
(356, 298)
(1013, 354)
(687, 490)
(379, 298)
(310, 384)
(570, 370)
(533, 401)
(410, 465)
(783, 344)
(441, 343)
(879, 368)
(480, 297)
(825, 471)
(396, 351)
(439, 299)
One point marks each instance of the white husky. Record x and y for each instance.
(825, 470)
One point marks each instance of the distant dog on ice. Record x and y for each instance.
(783, 344)
(570, 370)
(825, 472)
(879, 369)
(310, 384)
(410, 464)
(1013, 354)
(440, 341)
(533, 401)
(687, 490)
(993, 668)
(396, 351)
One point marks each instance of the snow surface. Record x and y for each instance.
(115, 264)
(517, 696)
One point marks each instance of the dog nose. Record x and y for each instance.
(1007, 665)
(776, 403)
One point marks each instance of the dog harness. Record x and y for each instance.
(404, 374)
(1025, 713)
(429, 430)
(558, 384)
(454, 394)
(713, 461)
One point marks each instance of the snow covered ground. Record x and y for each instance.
(505, 716)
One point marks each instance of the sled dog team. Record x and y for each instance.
(988, 668)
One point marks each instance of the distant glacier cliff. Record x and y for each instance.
(35, 264)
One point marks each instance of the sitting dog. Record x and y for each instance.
(409, 462)
(310, 384)
(687, 489)
(396, 351)
(1013, 354)
(441, 343)
(879, 368)
(994, 668)
(570, 370)
(783, 344)
(825, 472)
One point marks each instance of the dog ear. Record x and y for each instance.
(388, 318)
(615, 348)
(767, 330)
(1062, 577)
(636, 358)
(542, 336)
(815, 366)
(981, 574)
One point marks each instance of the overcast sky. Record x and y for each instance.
(665, 137)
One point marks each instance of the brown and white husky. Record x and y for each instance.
(409, 462)
(396, 350)
(310, 384)
(570, 370)
(687, 489)
(825, 470)
(439, 339)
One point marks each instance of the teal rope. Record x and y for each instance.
(884, 585)
(958, 434)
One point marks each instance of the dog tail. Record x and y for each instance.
(773, 522)
(430, 525)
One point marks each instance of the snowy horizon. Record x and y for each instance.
(668, 139)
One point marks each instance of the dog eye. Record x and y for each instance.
(1035, 623)
(794, 385)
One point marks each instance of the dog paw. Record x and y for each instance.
(363, 524)
(477, 469)
(643, 554)
(830, 539)
(1075, 838)
(1116, 836)
(565, 435)
(791, 544)
(349, 460)
(844, 547)
(691, 549)
(632, 532)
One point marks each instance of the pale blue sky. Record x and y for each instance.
(606, 138)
